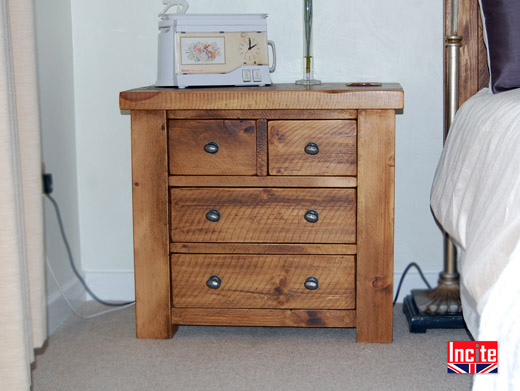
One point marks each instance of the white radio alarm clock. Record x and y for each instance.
(213, 50)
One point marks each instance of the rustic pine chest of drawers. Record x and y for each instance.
(264, 206)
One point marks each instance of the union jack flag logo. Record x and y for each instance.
(472, 357)
(472, 368)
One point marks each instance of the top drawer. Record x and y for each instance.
(212, 147)
(313, 148)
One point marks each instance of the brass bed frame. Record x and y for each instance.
(465, 73)
(473, 68)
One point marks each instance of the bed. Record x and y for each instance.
(476, 190)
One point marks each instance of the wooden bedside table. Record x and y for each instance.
(264, 206)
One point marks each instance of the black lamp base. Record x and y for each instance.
(419, 323)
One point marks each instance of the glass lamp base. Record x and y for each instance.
(307, 82)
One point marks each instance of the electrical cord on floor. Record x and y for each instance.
(71, 259)
(74, 310)
(410, 265)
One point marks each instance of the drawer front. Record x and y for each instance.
(313, 148)
(263, 215)
(263, 281)
(212, 147)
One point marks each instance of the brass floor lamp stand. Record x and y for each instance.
(441, 307)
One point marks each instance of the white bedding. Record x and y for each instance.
(476, 198)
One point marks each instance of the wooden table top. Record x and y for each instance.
(276, 96)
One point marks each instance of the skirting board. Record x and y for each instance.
(58, 310)
(116, 285)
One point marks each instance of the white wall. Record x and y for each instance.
(56, 92)
(377, 40)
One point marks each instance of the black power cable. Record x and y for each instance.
(412, 264)
(71, 259)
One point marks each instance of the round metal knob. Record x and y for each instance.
(214, 282)
(211, 147)
(312, 149)
(311, 216)
(311, 283)
(213, 215)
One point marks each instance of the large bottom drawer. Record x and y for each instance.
(263, 281)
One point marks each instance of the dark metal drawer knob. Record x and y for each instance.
(214, 282)
(311, 283)
(312, 149)
(213, 215)
(312, 216)
(211, 147)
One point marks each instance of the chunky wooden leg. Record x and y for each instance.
(151, 226)
(376, 166)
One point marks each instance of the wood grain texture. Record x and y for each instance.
(263, 281)
(483, 68)
(151, 225)
(376, 166)
(267, 181)
(263, 248)
(328, 96)
(236, 140)
(263, 215)
(336, 140)
(264, 317)
(265, 114)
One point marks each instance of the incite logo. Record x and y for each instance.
(472, 357)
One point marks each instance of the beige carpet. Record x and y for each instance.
(103, 354)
